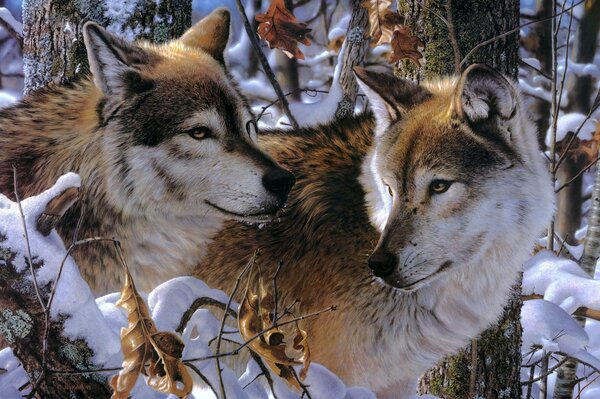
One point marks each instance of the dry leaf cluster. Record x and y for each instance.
(583, 151)
(148, 351)
(280, 29)
(257, 317)
(387, 26)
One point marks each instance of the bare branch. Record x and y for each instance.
(265, 64)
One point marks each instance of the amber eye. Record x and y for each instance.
(439, 186)
(200, 133)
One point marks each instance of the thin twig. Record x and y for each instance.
(546, 374)
(225, 314)
(29, 257)
(538, 70)
(202, 377)
(571, 180)
(237, 350)
(275, 293)
(453, 37)
(265, 64)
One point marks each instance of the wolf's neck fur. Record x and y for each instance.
(56, 131)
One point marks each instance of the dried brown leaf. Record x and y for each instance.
(256, 315)
(405, 45)
(280, 29)
(148, 351)
(382, 21)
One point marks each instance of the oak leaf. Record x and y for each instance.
(405, 45)
(256, 316)
(382, 21)
(148, 351)
(280, 29)
(580, 151)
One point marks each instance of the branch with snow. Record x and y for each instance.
(12, 26)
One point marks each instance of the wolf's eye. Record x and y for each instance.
(390, 190)
(200, 133)
(439, 186)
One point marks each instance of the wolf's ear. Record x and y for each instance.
(210, 34)
(114, 63)
(389, 95)
(484, 96)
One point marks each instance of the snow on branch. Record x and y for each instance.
(12, 26)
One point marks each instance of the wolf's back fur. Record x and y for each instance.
(379, 337)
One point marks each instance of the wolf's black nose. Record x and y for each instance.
(382, 263)
(279, 182)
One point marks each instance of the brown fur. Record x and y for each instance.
(323, 238)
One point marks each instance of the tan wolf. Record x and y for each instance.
(442, 196)
(162, 140)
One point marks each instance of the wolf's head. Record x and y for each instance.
(178, 136)
(455, 173)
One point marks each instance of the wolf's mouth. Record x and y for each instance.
(259, 217)
(396, 283)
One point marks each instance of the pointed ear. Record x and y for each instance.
(210, 34)
(390, 96)
(114, 63)
(483, 95)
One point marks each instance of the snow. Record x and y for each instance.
(119, 12)
(560, 281)
(6, 99)
(6, 16)
(570, 123)
(322, 111)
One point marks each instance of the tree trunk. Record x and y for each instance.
(490, 366)
(568, 214)
(53, 48)
(541, 108)
(355, 51)
(286, 69)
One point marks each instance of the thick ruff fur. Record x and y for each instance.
(361, 181)
(160, 140)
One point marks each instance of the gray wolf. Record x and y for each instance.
(413, 221)
(163, 142)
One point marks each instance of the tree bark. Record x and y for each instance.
(490, 366)
(541, 108)
(53, 48)
(355, 51)
(568, 215)
(286, 70)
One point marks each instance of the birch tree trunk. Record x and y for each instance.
(570, 199)
(53, 48)
(490, 366)
(356, 46)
